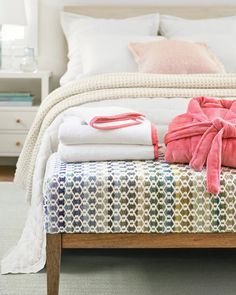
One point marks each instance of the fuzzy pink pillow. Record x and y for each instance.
(175, 57)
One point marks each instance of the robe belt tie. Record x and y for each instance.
(209, 149)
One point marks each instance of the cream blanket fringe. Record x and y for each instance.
(113, 86)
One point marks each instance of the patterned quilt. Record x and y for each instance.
(135, 197)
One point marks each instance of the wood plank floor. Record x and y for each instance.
(7, 173)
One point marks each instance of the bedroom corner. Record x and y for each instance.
(117, 147)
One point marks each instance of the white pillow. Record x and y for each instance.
(75, 25)
(218, 33)
(109, 53)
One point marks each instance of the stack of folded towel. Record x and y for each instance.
(108, 133)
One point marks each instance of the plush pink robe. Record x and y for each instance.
(205, 135)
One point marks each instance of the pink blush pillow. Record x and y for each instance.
(175, 57)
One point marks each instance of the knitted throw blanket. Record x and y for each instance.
(113, 86)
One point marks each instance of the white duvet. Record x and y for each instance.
(29, 255)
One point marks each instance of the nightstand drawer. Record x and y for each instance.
(16, 120)
(11, 144)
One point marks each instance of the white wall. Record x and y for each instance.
(52, 53)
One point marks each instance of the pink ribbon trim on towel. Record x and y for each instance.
(135, 117)
(154, 141)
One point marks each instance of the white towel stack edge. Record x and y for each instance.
(79, 142)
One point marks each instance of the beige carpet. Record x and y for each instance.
(105, 272)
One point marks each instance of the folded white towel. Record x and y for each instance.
(87, 152)
(81, 138)
(75, 130)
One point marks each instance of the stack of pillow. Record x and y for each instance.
(98, 46)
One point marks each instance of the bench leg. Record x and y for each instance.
(53, 263)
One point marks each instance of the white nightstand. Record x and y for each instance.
(15, 122)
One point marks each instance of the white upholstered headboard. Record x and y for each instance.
(129, 11)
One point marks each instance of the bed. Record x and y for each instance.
(172, 208)
(136, 204)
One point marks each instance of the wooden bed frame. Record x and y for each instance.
(57, 242)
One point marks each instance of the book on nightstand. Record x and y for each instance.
(16, 99)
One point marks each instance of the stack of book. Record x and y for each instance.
(16, 99)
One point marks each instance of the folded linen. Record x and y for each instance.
(75, 130)
(109, 133)
(206, 134)
(102, 152)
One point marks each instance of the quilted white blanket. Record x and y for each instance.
(29, 253)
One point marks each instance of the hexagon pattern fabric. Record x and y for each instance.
(135, 197)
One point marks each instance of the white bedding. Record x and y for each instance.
(29, 255)
(76, 26)
(104, 53)
(218, 33)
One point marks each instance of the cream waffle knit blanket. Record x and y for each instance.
(113, 86)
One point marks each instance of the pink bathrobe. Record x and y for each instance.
(205, 135)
